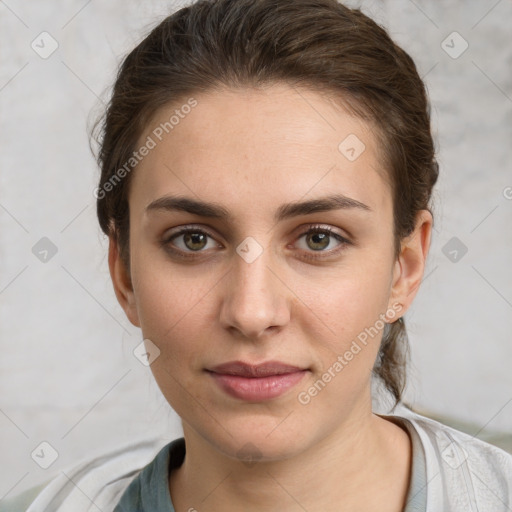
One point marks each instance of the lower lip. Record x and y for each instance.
(257, 388)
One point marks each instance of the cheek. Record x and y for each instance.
(174, 309)
(345, 331)
(175, 314)
(346, 301)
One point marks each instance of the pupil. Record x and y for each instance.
(324, 242)
(195, 238)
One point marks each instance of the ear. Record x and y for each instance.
(410, 264)
(122, 282)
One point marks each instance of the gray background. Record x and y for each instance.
(67, 372)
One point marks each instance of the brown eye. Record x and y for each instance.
(195, 241)
(189, 240)
(318, 239)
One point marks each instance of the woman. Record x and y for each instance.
(267, 169)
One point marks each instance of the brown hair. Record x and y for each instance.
(318, 44)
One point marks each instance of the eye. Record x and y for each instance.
(190, 239)
(319, 238)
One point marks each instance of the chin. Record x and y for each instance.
(257, 439)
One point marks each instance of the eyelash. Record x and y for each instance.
(166, 243)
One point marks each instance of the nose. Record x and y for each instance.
(255, 299)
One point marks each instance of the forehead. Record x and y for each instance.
(257, 145)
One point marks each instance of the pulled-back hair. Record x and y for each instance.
(318, 44)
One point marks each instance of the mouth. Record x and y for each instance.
(256, 382)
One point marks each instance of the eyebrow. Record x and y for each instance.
(285, 211)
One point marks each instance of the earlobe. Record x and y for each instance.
(122, 283)
(410, 265)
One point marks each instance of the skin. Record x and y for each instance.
(251, 151)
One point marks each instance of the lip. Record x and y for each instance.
(256, 382)
(265, 369)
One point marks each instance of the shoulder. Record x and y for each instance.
(92, 484)
(462, 471)
(456, 447)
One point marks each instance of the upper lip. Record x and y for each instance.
(255, 370)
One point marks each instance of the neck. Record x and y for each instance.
(360, 465)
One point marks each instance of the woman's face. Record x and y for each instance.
(249, 283)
